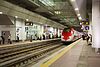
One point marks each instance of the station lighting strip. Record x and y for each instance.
(47, 2)
(76, 9)
(1, 12)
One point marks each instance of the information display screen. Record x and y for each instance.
(28, 23)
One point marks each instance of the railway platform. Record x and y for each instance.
(26, 42)
(77, 54)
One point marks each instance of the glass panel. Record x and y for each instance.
(47, 2)
(66, 30)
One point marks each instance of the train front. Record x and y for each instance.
(67, 35)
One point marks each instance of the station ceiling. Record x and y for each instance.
(58, 10)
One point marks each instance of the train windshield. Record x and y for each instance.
(66, 30)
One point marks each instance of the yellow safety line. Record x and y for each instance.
(52, 60)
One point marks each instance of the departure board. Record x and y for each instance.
(28, 23)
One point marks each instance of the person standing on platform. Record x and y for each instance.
(83, 37)
(9, 40)
(0, 39)
(87, 39)
(3, 39)
(17, 37)
(31, 38)
(43, 37)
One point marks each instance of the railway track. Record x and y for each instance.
(23, 55)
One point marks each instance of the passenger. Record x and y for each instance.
(3, 39)
(17, 37)
(57, 36)
(36, 37)
(9, 40)
(0, 39)
(52, 36)
(49, 36)
(31, 38)
(40, 38)
(90, 39)
(43, 37)
(83, 37)
(87, 39)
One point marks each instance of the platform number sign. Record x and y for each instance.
(86, 27)
(85, 22)
(28, 23)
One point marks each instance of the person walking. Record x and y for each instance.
(90, 39)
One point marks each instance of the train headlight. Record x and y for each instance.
(69, 37)
(62, 36)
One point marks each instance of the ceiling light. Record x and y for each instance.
(80, 18)
(27, 19)
(51, 13)
(1, 12)
(16, 16)
(76, 9)
(73, 0)
(80, 23)
(78, 14)
(57, 12)
(47, 2)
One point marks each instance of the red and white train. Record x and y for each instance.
(69, 35)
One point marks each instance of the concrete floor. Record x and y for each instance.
(81, 55)
(70, 59)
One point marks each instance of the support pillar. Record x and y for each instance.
(96, 24)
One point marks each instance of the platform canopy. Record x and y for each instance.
(61, 11)
(58, 10)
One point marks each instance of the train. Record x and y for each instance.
(70, 35)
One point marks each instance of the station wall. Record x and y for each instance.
(20, 29)
(10, 28)
(31, 31)
(19, 25)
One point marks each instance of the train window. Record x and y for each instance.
(66, 30)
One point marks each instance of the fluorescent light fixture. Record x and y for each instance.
(27, 19)
(78, 14)
(51, 13)
(73, 0)
(80, 23)
(76, 9)
(1, 12)
(57, 12)
(47, 2)
(80, 18)
(16, 16)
